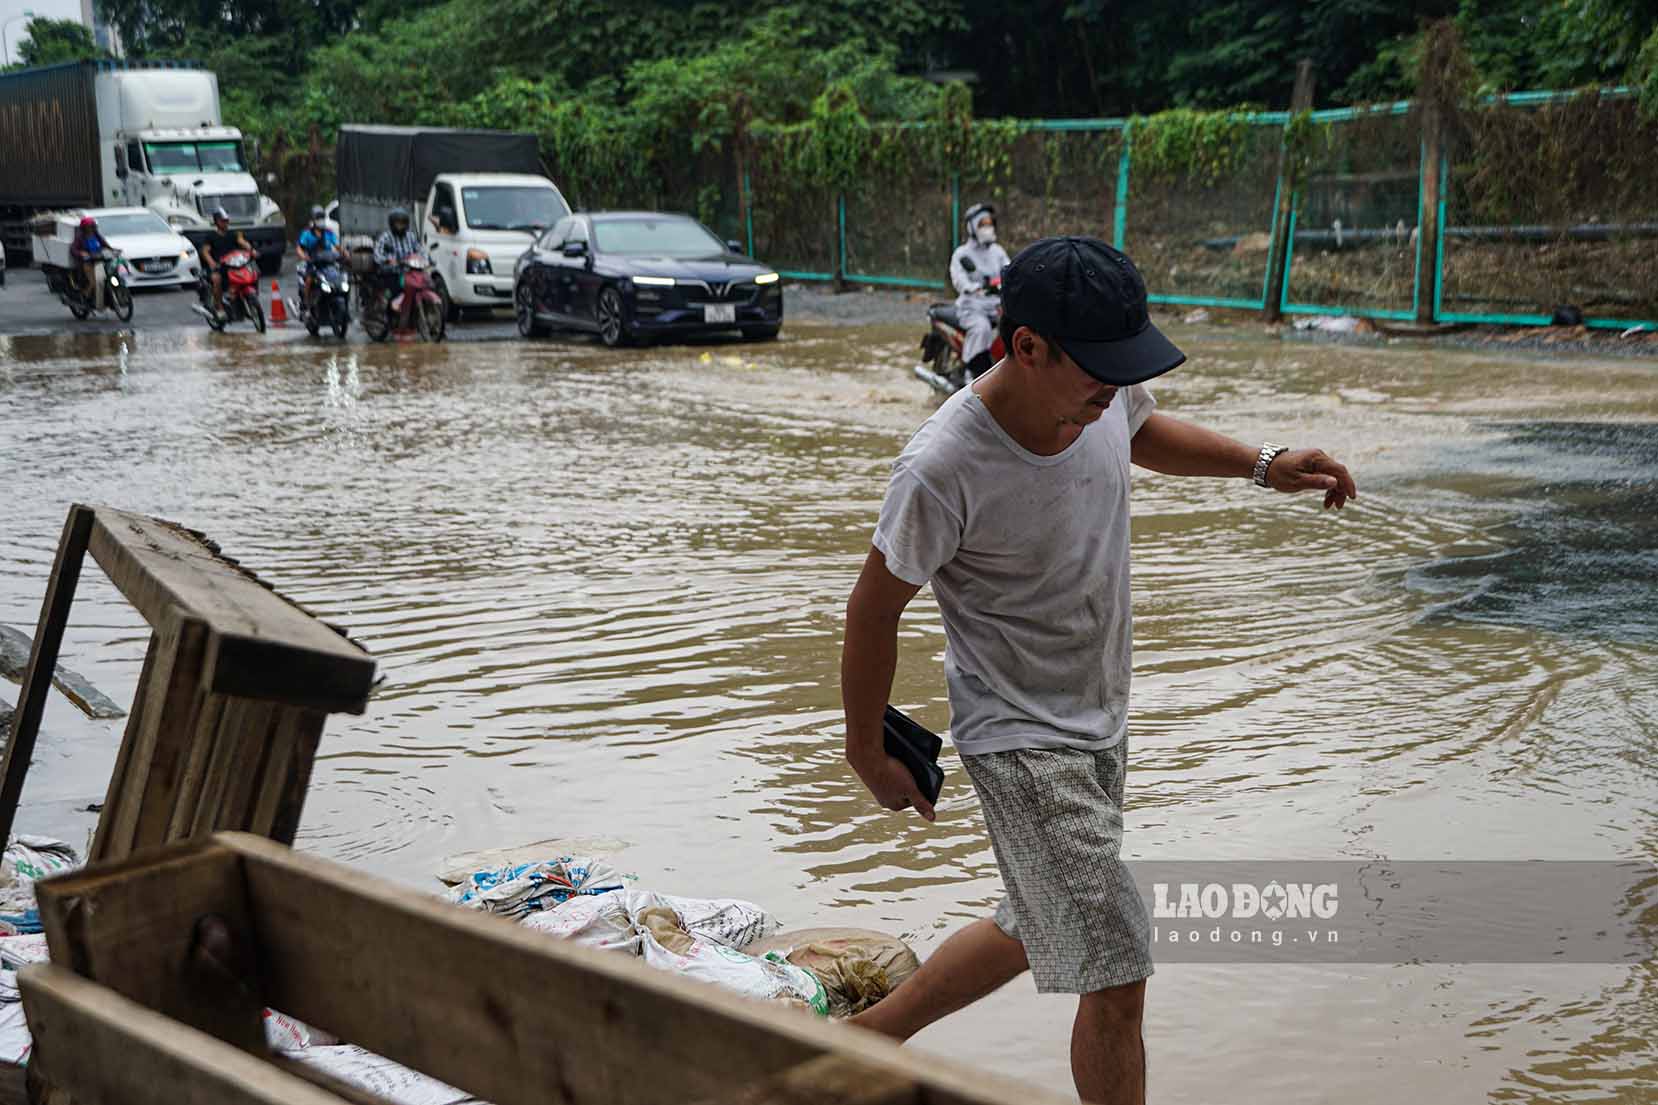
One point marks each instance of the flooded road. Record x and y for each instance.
(605, 590)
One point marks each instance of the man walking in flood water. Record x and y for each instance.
(1012, 500)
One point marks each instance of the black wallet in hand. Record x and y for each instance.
(916, 748)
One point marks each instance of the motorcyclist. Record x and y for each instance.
(220, 244)
(397, 243)
(976, 271)
(85, 251)
(314, 239)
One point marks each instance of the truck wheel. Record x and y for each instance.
(269, 265)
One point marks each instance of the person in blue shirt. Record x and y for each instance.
(314, 239)
(86, 250)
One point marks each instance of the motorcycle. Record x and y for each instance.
(941, 365)
(329, 303)
(116, 277)
(241, 293)
(414, 298)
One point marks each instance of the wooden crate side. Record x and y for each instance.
(43, 662)
(104, 1049)
(168, 928)
(169, 700)
(515, 1018)
(261, 645)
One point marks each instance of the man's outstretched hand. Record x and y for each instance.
(1312, 470)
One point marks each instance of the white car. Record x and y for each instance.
(157, 255)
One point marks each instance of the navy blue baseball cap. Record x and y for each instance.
(1090, 300)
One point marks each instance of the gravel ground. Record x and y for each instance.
(819, 303)
(858, 307)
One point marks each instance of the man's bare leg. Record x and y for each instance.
(1108, 1056)
(976, 961)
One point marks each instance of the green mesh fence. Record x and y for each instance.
(1055, 182)
(1354, 248)
(1551, 204)
(1547, 203)
(898, 227)
(1204, 238)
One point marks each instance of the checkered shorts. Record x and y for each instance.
(1056, 823)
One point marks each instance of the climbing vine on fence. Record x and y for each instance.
(1206, 147)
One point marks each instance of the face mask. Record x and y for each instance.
(986, 233)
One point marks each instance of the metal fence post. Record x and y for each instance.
(955, 211)
(1430, 234)
(1283, 200)
(1119, 226)
(840, 261)
(748, 210)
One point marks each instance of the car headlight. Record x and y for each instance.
(477, 263)
(766, 278)
(654, 281)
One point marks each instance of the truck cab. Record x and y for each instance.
(166, 149)
(183, 175)
(477, 225)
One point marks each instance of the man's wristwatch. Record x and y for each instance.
(1263, 460)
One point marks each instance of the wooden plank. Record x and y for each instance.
(827, 1080)
(43, 662)
(249, 743)
(169, 697)
(104, 1049)
(204, 739)
(171, 749)
(516, 1018)
(287, 774)
(232, 721)
(116, 791)
(169, 929)
(260, 645)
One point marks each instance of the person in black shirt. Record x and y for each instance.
(222, 241)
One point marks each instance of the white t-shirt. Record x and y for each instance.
(1028, 557)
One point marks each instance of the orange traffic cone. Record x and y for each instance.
(279, 313)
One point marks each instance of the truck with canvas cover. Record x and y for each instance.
(477, 198)
(140, 134)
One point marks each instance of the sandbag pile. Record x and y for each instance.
(735, 944)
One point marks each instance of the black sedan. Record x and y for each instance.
(633, 275)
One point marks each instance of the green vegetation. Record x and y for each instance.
(51, 41)
(636, 101)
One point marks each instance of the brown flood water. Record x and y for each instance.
(605, 589)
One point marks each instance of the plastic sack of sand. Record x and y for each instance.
(858, 967)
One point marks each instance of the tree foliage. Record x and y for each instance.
(633, 99)
(53, 41)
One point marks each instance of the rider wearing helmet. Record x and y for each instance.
(314, 239)
(976, 271)
(85, 251)
(398, 241)
(222, 242)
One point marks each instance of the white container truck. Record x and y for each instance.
(119, 134)
(477, 199)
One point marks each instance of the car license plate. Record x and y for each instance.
(719, 312)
